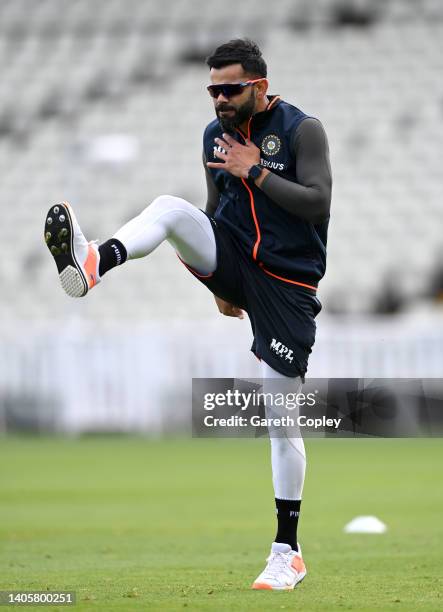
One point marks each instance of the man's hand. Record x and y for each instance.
(228, 309)
(238, 157)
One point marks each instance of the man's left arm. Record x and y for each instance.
(310, 197)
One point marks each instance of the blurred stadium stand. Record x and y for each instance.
(103, 104)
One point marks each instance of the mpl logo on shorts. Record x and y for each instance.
(271, 144)
(281, 350)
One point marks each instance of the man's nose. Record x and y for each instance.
(222, 98)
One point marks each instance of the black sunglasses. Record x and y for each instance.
(229, 89)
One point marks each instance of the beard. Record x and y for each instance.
(239, 115)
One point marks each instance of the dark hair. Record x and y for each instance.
(239, 51)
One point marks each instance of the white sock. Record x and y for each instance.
(183, 225)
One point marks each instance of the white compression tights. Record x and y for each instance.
(190, 233)
(287, 448)
(183, 225)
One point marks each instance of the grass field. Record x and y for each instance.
(133, 524)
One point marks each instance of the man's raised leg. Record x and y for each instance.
(81, 264)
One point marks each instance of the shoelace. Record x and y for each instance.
(277, 562)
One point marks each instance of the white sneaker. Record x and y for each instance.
(284, 570)
(77, 259)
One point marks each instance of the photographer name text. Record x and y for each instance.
(257, 421)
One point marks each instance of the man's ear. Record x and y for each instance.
(262, 88)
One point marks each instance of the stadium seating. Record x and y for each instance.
(132, 72)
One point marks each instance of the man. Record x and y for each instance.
(260, 248)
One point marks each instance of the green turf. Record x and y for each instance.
(133, 524)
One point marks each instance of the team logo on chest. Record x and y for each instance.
(271, 144)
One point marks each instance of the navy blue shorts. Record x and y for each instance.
(282, 315)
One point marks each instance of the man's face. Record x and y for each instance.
(233, 111)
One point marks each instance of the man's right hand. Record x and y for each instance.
(228, 309)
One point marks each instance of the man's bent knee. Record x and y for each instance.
(168, 202)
